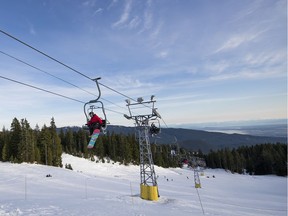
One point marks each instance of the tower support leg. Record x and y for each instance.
(148, 185)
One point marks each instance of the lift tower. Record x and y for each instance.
(148, 185)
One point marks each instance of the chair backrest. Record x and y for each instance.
(103, 123)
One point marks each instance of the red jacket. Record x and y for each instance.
(94, 119)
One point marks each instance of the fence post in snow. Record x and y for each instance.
(197, 179)
(86, 195)
(25, 187)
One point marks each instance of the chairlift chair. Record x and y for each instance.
(96, 104)
(155, 127)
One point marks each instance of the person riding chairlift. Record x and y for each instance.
(154, 130)
(95, 122)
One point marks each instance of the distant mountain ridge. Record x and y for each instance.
(204, 140)
(198, 139)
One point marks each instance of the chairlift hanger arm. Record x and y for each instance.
(99, 91)
(91, 102)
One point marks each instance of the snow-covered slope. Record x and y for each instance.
(112, 189)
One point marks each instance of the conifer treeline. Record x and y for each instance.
(258, 159)
(116, 147)
(23, 144)
(45, 146)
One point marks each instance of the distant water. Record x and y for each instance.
(265, 127)
(279, 130)
(227, 131)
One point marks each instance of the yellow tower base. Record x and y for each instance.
(197, 185)
(149, 192)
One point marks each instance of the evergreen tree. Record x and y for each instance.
(37, 138)
(82, 142)
(134, 149)
(63, 141)
(260, 159)
(238, 162)
(69, 142)
(120, 148)
(56, 148)
(4, 140)
(280, 160)
(99, 148)
(45, 146)
(112, 146)
(127, 150)
(230, 160)
(26, 147)
(13, 145)
(210, 159)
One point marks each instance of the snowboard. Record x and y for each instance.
(93, 139)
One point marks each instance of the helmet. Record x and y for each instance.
(91, 113)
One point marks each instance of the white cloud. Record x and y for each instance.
(125, 82)
(162, 54)
(89, 3)
(99, 10)
(112, 4)
(156, 32)
(32, 30)
(235, 41)
(148, 16)
(217, 67)
(135, 22)
(265, 58)
(249, 74)
(125, 14)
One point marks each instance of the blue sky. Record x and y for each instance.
(205, 60)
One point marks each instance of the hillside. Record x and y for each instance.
(93, 189)
(204, 140)
(196, 139)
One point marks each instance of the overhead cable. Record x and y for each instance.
(24, 62)
(31, 86)
(20, 41)
(45, 72)
(50, 92)
(117, 92)
(65, 65)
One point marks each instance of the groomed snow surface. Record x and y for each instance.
(112, 189)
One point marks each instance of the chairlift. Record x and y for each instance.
(96, 104)
(154, 127)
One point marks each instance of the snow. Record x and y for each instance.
(113, 189)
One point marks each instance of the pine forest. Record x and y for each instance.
(45, 146)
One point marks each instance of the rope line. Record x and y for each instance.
(17, 59)
(65, 65)
(50, 92)
(31, 86)
(117, 92)
(48, 56)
